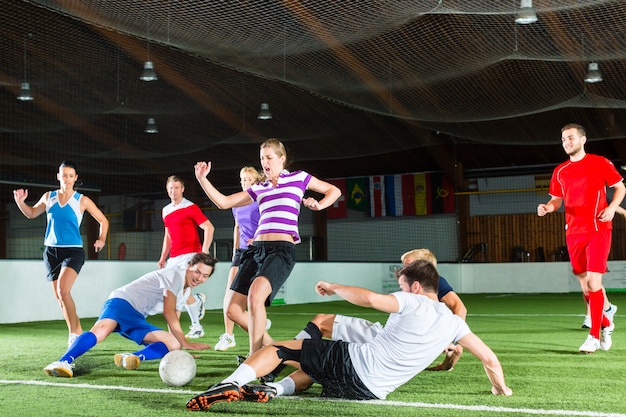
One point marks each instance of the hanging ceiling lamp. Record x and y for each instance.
(526, 14)
(25, 93)
(148, 73)
(265, 113)
(593, 73)
(151, 126)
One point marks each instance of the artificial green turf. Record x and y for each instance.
(536, 337)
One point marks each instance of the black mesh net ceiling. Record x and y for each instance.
(355, 87)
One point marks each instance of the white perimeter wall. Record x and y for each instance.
(27, 296)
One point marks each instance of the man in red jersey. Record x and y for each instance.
(581, 182)
(181, 242)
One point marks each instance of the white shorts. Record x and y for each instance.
(180, 261)
(354, 329)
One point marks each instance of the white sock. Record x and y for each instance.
(194, 311)
(242, 375)
(285, 386)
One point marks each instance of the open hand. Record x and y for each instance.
(20, 195)
(202, 169)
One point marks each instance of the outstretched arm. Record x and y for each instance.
(173, 323)
(490, 362)
(360, 296)
(20, 197)
(242, 198)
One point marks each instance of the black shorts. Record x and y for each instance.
(328, 363)
(56, 258)
(273, 260)
(237, 257)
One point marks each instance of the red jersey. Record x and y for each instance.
(182, 223)
(582, 186)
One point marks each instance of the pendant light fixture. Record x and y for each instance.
(265, 113)
(148, 73)
(526, 14)
(151, 126)
(593, 73)
(25, 93)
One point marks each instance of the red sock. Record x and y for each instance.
(596, 307)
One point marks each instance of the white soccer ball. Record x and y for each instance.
(177, 368)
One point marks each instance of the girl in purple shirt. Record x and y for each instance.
(267, 263)
(246, 223)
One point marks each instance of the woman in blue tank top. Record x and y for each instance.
(64, 255)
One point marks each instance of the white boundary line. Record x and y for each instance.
(489, 409)
(364, 314)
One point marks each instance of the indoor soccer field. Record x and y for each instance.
(536, 337)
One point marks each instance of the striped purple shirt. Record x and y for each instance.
(280, 206)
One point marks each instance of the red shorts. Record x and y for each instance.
(589, 251)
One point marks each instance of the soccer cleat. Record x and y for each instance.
(591, 345)
(195, 332)
(223, 392)
(606, 341)
(257, 393)
(226, 342)
(586, 323)
(201, 297)
(127, 361)
(241, 359)
(268, 324)
(610, 313)
(71, 339)
(61, 369)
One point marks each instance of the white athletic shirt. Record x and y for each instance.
(146, 293)
(409, 342)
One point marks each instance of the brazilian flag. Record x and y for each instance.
(357, 190)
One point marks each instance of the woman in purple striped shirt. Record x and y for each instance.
(268, 261)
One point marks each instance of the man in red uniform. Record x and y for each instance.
(181, 242)
(581, 182)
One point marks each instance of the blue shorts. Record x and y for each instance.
(273, 260)
(56, 258)
(328, 363)
(130, 323)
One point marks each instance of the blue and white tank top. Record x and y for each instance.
(63, 229)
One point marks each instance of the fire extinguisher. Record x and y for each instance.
(121, 251)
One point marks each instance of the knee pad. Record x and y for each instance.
(286, 354)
